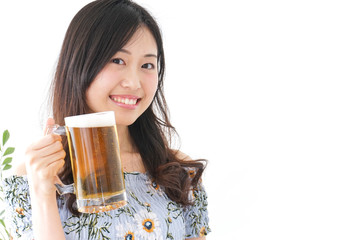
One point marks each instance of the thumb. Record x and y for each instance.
(49, 123)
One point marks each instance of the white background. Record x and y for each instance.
(267, 91)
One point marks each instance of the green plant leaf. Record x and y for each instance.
(7, 166)
(7, 161)
(9, 150)
(2, 222)
(6, 136)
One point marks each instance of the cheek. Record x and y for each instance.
(151, 85)
(101, 84)
(90, 97)
(96, 91)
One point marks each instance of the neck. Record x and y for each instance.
(130, 157)
(126, 144)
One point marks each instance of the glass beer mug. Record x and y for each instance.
(95, 159)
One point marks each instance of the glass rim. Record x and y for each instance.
(98, 119)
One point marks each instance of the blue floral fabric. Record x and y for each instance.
(149, 214)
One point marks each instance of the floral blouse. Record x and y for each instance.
(149, 214)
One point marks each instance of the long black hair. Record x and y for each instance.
(95, 34)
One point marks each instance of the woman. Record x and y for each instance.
(112, 59)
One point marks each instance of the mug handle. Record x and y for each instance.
(57, 129)
(64, 189)
(60, 187)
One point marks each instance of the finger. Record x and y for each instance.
(55, 167)
(57, 180)
(60, 155)
(50, 121)
(44, 142)
(49, 149)
(51, 170)
(39, 164)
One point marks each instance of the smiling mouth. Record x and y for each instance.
(125, 100)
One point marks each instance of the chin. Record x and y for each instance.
(124, 123)
(126, 119)
(120, 120)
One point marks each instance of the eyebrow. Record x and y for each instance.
(146, 55)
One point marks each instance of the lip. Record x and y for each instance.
(125, 101)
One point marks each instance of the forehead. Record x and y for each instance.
(143, 40)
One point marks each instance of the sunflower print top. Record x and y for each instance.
(149, 214)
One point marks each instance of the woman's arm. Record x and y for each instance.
(46, 218)
(184, 157)
(44, 159)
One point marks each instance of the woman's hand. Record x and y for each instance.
(44, 158)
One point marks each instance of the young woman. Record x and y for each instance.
(112, 59)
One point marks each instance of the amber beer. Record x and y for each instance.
(95, 158)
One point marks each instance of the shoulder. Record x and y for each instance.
(20, 169)
(180, 155)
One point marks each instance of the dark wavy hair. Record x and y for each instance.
(95, 34)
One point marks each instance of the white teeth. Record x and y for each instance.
(126, 101)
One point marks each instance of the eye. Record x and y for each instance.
(148, 66)
(118, 61)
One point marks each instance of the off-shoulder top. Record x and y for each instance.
(149, 214)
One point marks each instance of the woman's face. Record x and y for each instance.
(128, 82)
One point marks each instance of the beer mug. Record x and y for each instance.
(95, 159)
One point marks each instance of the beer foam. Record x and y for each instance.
(100, 119)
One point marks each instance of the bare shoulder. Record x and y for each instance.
(182, 156)
(20, 169)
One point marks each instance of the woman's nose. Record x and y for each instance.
(131, 79)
